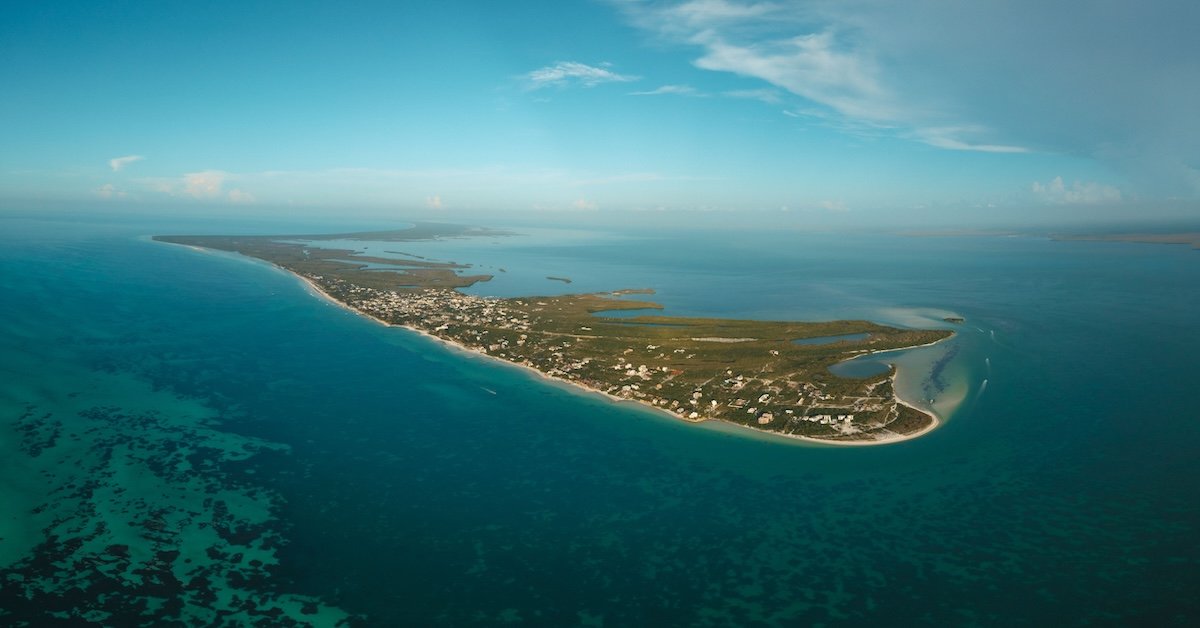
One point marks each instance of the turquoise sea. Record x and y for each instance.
(191, 438)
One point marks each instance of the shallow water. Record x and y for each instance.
(199, 404)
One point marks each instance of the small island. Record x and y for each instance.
(771, 376)
(1190, 238)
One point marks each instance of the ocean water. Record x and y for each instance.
(194, 436)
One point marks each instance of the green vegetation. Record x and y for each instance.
(1191, 238)
(746, 372)
(298, 254)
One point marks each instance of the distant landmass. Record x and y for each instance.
(767, 375)
(1191, 238)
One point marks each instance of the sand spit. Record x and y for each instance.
(935, 420)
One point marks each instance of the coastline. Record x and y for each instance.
(935, 420)
(865, 352)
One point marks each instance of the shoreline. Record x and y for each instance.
(865, 352)
(577, 386)
(935, 420)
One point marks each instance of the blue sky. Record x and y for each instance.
(865, 110)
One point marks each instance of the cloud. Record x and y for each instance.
(834, 206)
(117, 163)
(820, 60)
(810, 66)
(205, 184)
(108, 190)
(475, 189)
(679, 90)
(947, 137)
(709, 13)
(629, 177)
(769, 96)
(566, 73)
(998, 76)
(240, 197)
(1079, 193)
(584, 204)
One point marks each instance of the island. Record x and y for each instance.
(1190, 238)
(771, 376)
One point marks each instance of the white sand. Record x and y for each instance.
(879, 440)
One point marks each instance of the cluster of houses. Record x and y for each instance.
(464, 318)
(433, 310)
(827, 419)
(489, 326)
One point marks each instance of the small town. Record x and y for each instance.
(678, 374)
(772, 376)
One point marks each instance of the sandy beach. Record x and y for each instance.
(580, 387)
(935, 420)
(577, 386)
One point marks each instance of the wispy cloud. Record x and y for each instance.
(677, 90)
(1078, 193)
(999, 76)
(769, 96)
(949, 138)
(634, 177)
(566, 73)
(476, 188)
(109, 190)
(834, 205)
(240, 197)
(810, 66)
(117, 163)
(205, 184)
(699, 14)
(812, 52)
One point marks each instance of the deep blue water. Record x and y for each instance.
(165, 400)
